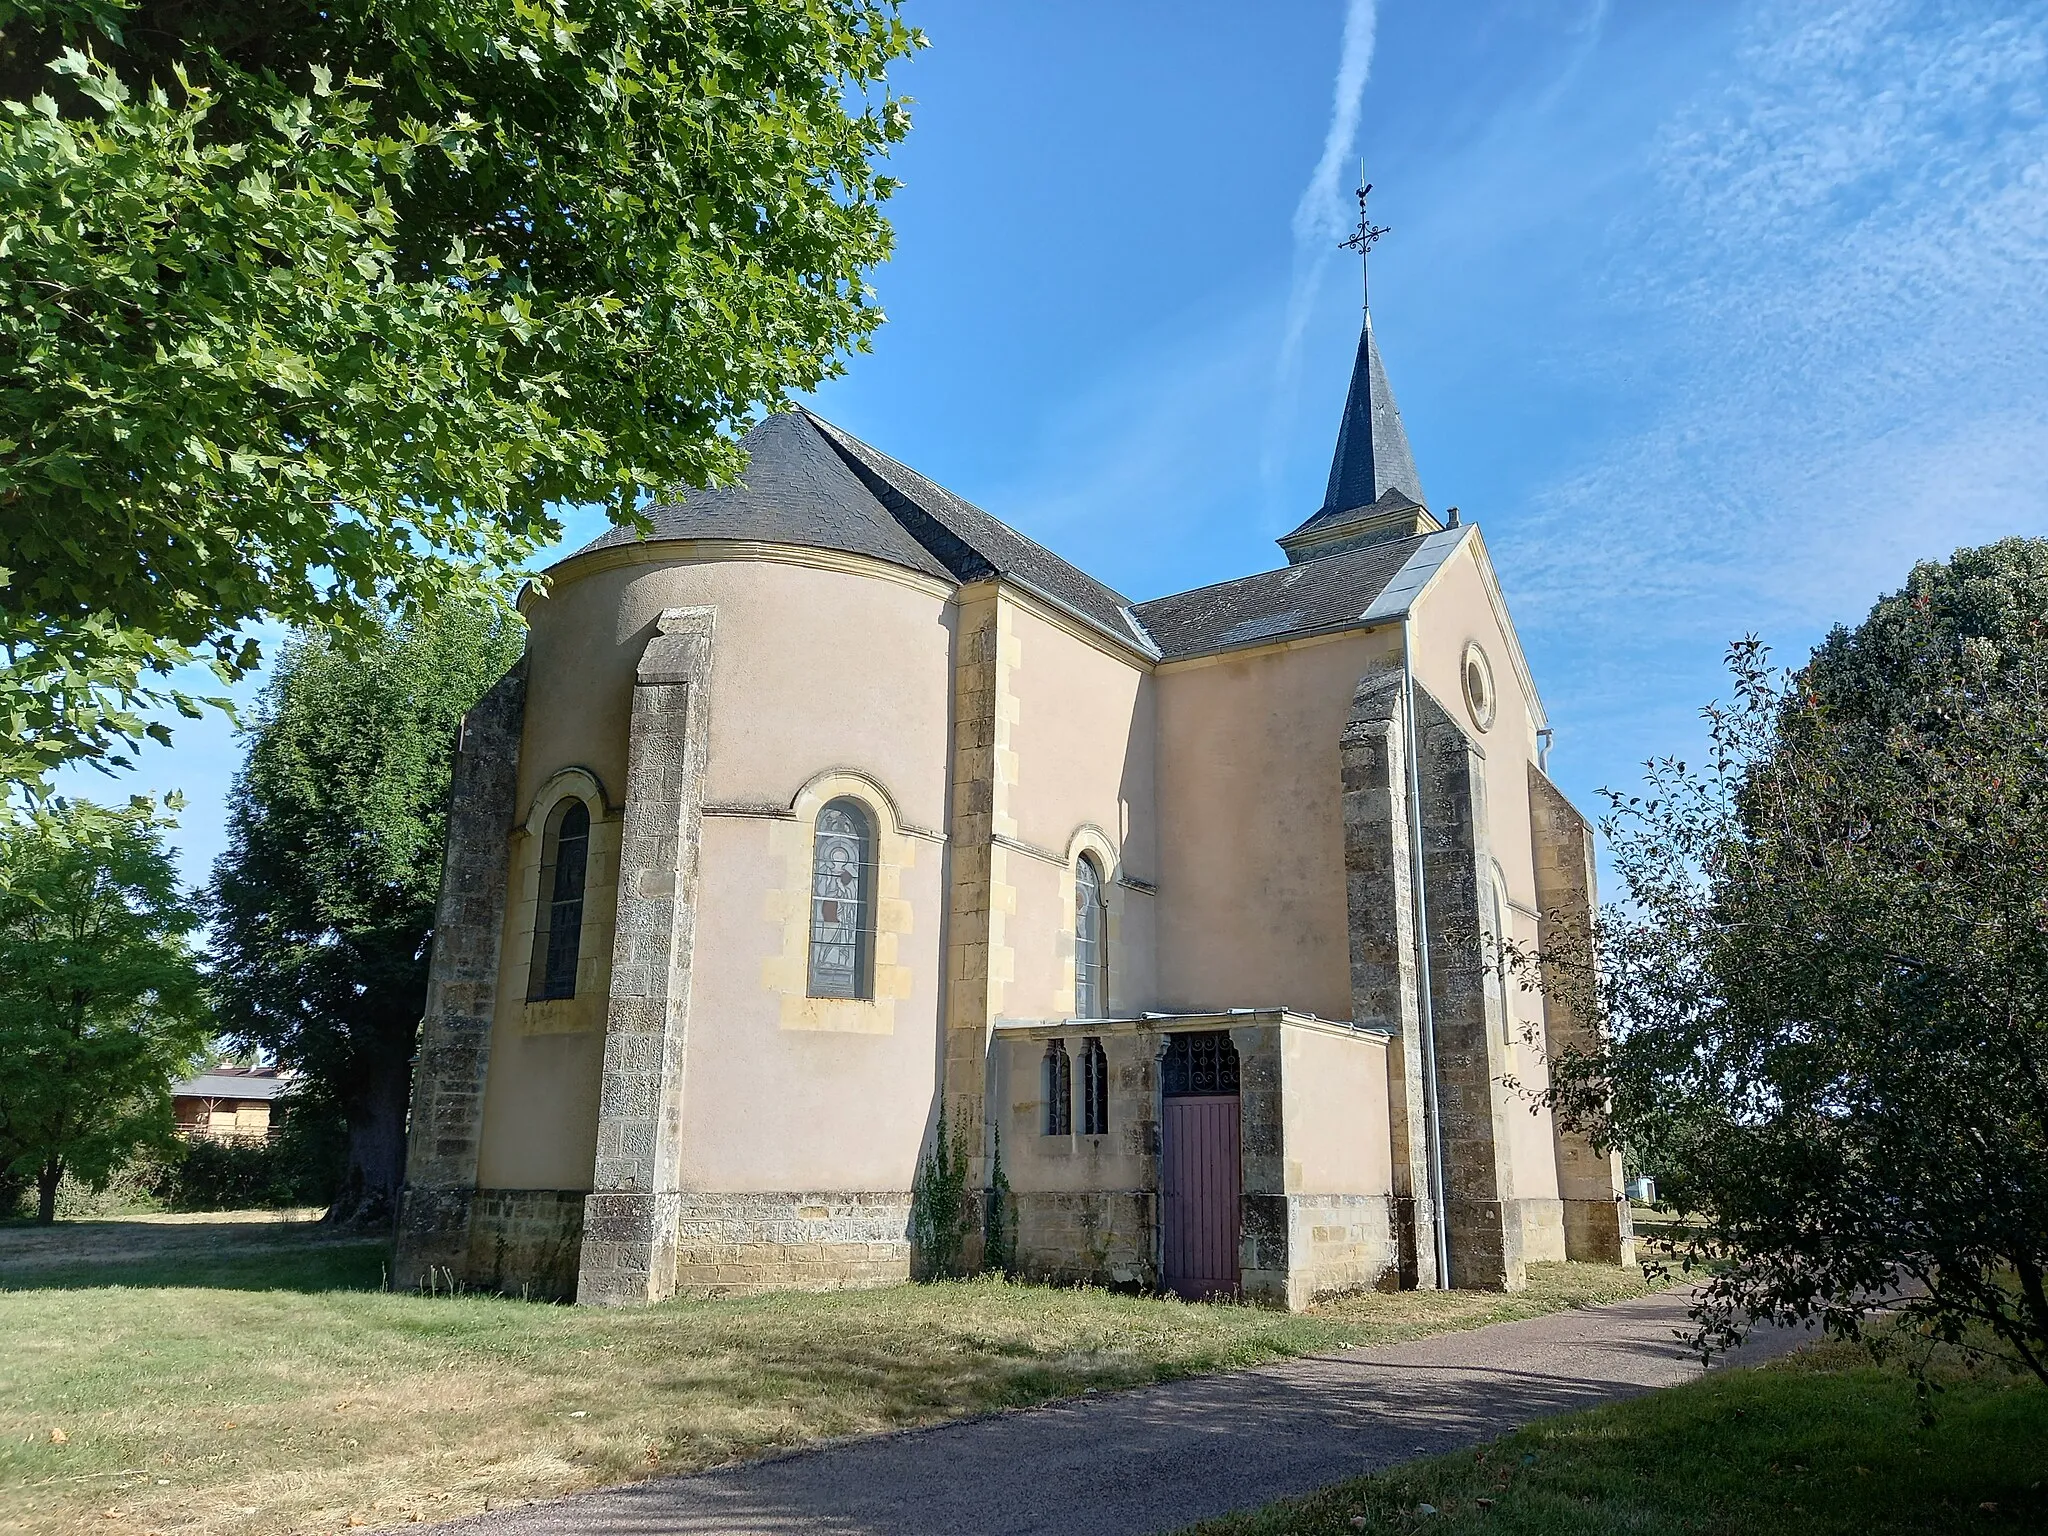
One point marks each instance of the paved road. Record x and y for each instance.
(1158, 1458)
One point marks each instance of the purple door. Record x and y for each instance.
(1200, 1180)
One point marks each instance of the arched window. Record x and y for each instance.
(1091, 1000)
(1094, 1088)
(1058, 1082)
(1499, 895)
(843, 902)
(558, 921)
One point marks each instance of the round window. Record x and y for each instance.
(1479, 687)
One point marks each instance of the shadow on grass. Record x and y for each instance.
(232, 1252)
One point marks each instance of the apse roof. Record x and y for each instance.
(796, 490)
(809, 483)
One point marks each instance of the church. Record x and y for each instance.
(832, 803)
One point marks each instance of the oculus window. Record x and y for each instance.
(1479, 687)
(558, 921)
(843, 902)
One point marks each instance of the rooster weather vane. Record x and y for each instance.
(1366, 236)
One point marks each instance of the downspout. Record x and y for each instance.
(1426, 982)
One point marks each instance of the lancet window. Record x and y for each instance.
(558, 920)
(1091, 987)
(1057, 1075)
(1094, 1088)
(843, 902)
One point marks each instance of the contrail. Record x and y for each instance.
(1324, 214)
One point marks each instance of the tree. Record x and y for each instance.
(100, 1004)
(1826, 996)
(313, 309)
(322, 908)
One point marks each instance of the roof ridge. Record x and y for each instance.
(1276, 570)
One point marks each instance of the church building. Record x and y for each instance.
(832, 803)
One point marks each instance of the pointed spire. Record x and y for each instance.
(1372, 455)
(1374, 492)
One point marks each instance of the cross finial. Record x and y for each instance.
(1366, 236)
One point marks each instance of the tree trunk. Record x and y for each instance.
(376, 1151)
(48, 1177)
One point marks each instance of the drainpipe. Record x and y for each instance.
(1543, 738)
(1426, 981)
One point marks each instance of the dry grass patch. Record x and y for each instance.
(272, 1385)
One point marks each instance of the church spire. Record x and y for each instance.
(1374, 492)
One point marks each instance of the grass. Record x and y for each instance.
(161, 1375)
(1826, 1442)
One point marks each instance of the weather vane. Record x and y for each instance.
(1366, 236)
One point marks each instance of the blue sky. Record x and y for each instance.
(1715, 316)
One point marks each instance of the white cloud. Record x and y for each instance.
(1836, 276)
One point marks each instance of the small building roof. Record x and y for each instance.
(234, 1083)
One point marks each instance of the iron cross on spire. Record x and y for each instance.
(1363, 238)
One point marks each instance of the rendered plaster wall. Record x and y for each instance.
(734, 1243)
(1317, 1216)
(1335, 1113)
(787, 1092)
(1078, 772)
(1458, 608)
(1252, 908)
(789, 700)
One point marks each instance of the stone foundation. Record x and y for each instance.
(1094, 1237)
(1599, 1231)
(735, 1244)
(1543, 1234)
(525, 1242)
(1301, 1249)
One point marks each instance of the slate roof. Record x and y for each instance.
(809, 483)
(1373, 456)
(1324, 593)
(797, 490)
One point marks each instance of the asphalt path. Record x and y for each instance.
(1158, 1458)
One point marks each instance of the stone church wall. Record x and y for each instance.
(1252, 909)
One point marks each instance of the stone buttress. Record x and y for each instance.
(632, 1214)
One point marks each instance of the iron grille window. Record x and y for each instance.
(1089, 925)
(1199, 1061)
(1094, 1089)
(558, 925)
(1058, 1073)
(842, 902)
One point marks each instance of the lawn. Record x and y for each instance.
(1822, 1443)
(255, 1376)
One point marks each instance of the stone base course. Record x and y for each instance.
(524, 1242)
(1096, 1237)
(735, 1244)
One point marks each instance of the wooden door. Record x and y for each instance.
(1200, 1185)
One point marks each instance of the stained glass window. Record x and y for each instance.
(842, 902)
(1058, 1074)
(1089, 999)
(1199, 1062)
(1094, 1088)
(558, 922)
